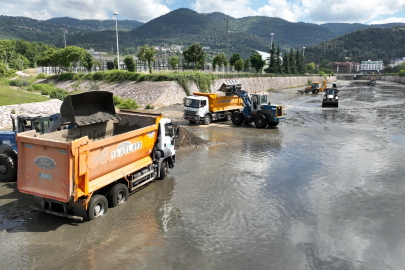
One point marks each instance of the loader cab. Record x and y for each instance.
(315, 85)
(39, 123)
(258, 101)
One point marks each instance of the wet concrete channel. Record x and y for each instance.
(323, 190)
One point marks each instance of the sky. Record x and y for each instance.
(311, 11)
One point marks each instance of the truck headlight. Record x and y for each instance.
(337, 98)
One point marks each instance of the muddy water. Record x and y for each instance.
(324, 190)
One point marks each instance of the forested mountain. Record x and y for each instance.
(361, 45)
(344, 28)
(50, 31)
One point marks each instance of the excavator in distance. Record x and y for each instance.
(314, 88)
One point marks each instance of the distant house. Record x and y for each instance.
(345, 67)
(371, 66)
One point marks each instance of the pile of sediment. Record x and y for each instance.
(187, 139)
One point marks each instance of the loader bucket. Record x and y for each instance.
(88, 108)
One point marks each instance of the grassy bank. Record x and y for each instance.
(202, 80)
(10, 96)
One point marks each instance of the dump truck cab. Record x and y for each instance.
(195, 108)
(330, 99)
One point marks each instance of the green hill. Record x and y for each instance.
(50, 31)
(361, 45)
(344, 28)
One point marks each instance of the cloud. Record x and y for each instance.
(315, 11)
(141, 10)
(389, 20)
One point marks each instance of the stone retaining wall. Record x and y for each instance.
(161, 94)
(391, 79)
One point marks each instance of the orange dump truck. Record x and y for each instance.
(206, 107)
(80, 172)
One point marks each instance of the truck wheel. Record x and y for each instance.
(163, 170)
(315, 91)
(260, 121)
(273, 124)
(237, 118)
(228, 116)
(118, 194)
(98, 206)
(8, 168)
(191, 121)
(306, 91)
(207, 119)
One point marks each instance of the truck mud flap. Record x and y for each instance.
(88, 108)
(56, 213)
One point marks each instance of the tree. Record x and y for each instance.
(272, 61)
(257, 61)
(87, 61)
(195, 54)
(293, 64)
(239, 64)
(115, 63)
(49, 58)
(286, 64)
(247, 64)
(219, 60)
(147, 53)
(311, 67)
(279, 64)
(174, 61)
(235, 57)
(71, 54)
(130, 63)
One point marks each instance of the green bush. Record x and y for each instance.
(128, 104)
(117, 100)
(149, 106)
(41, 76)
(19, 82)
(58, 94)
(401, 73)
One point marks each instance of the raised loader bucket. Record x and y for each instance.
(88, 108)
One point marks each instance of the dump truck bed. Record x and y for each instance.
(70, 163)
(222, 103)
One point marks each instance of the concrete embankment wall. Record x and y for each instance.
(391, 79)
(161, 94)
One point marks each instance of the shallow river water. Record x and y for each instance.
(323, 190)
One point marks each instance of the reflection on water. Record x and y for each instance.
(325, 192)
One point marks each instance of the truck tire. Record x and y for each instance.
(228, 116)
(306, 91)
(191, 121)
(260, 121)
(315, 91)
(237, 118)
(98, 206)
(117, 195)
(272, 124)
(207, 119)
(8, 168)
(163, 170)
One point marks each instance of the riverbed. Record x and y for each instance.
(323, 190)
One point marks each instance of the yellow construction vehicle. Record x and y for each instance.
(314, 88)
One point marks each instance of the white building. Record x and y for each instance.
(371, 66)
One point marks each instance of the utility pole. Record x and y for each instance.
(227, 36)
(272, 34)
(64, 37)
(303, 52)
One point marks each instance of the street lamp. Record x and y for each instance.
(303, 51)
(64, 37)
(272, 34)
(116, 31)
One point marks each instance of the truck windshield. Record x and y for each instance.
(330, 92)
(315, 85)
(194, 103)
